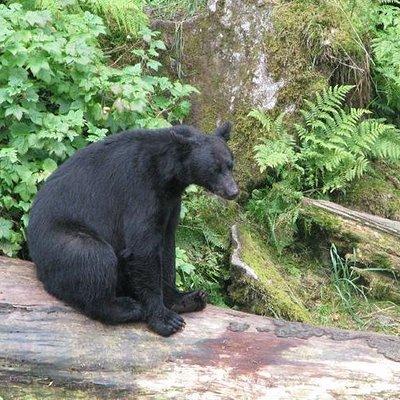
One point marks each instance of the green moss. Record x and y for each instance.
(301, 78)
(271, 294)
(323, 36)
(320, 228)
(377, 193)
(380, 286)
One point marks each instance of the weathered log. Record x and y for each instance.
(368, 220)
(258, 282)
(47, 350)
(375, 240)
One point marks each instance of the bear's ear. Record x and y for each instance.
(181, 138)
(224, 131)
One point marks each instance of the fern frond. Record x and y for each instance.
(335, 144)
(387, 144)
(390, 2)
(127, 16)
(272, 127)
(264, 119)
(274, 153)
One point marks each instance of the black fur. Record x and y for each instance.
(102, 227)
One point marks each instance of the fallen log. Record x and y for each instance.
(47, 350)
(375, 241)
(368, 220)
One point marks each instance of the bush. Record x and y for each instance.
(57, 94)
(122, 16)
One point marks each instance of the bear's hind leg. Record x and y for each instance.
(183, 302)
(82, 270)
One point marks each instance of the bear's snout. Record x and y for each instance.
(230, 189)
(232, 193)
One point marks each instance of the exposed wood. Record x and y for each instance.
(222, 354)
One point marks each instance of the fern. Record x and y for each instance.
(125, 16)
(335, 145)
(386, 49)
(271, 127)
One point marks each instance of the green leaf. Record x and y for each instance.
(40, 18)
(49, 165)
(154, 65)
(159, 44)
(5, 228)
(38, 63)
(16, 111)
(8, 202)
(4, 96)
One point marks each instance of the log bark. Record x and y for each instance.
(48, 348)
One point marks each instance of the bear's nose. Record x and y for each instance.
(232, 192)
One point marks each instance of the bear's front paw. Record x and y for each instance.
(167, 324)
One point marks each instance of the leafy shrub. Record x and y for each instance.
(184, 269)
(333, 147)
(57, 94)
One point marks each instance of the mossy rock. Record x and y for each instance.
(258, 283)
(377, 193)
(246, 54)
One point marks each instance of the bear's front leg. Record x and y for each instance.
(175, 300)
(144, 271)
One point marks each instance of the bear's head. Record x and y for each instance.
(209, 163)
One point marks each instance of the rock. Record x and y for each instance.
(257, 283)
(47, 350)
(247, 54)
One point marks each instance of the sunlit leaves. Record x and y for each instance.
(58, 93)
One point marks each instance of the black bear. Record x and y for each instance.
(102, 227)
